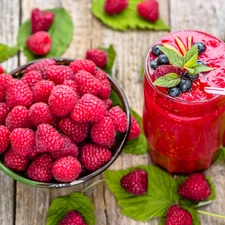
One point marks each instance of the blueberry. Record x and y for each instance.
(201, 63)
(162, 59)
(153, 64)
(156, 51)
(174, 91)
(185, 84)
(191, 77)
(201, 47)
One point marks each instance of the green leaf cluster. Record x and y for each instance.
(7, 52)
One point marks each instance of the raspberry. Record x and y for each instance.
(119, 118)
(1, 69)
(108, 103)
(87, 83)
(105, 84)
(178, 216)
(99, 57)
(135, 182)
(18, 118)
(62, 100)
(94, 156)
(66, 169)
(39, 43)
(195, 188)
(40, 113)
(42, 90)
(15, 162)
(164, 69)
(76, 131)
(40, 168)
(149, 10)
(48, 139)
(115, 6)
(135, 129)
(33, 154)
(4, 80)
(103, 132)
(31, 78)
(89, 108)
(72, 217)
(72, 84)
(83, 64)
(18, 93)
(41, 20)
(59, 73)
(4, 138)
(3, 112)
(22, 141)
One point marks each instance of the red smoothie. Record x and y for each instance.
(185, 133)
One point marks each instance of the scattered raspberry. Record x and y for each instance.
(108, 103)
(72, 84)
(135, 182)
(164, 69)
(40, 168)
(31, 78)
(42, 90)
(72, 218)
(59, 73)
(149, 10)
(62, 100)
(135, 129)
(18, 118)
(76, 131)
(3, 112)
(103, 132)
(41, 20)
(105, 84)
(18, 93)
(4, 80)
(89, 108)
(48, 139)
(94, 156)
(178, 216)
(1, 69)
(99, 57)
(196, 188)
(66, 169)
(40, 113)
(115, 6)
(4, 138)
(15, 162)
(83, 64)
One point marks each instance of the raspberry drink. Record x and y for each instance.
(184, 125)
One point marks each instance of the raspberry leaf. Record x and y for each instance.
(115, 98)
(221, 156)
(168, 80)
(74, 201)
(7, 52)
(194, 215)
(120, 21)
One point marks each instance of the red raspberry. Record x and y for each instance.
(135, 129)
(22, 141)
(40, 113)
(40, 168)
(18, 118)
(178, 216)
(1, 69)
(119, 118)
(108, 103)
(94, 156)
(135, 182)
(18, 93)
(4, 138)
(83, 64)
(62, 100)
(31, 78)
(39, 43)
(41, 20)
(88, 109)
(195, 188)
(4, 80)
(87, 83)
(76, 131)
(72, 84)
(105, 84)
(115, 6)
(59, 73)
(48, 139)
(42, 90)
(15, 162)
(66, 169)
(99, 57)
(103, 132)
(33, 154)
(72, 217)
(164, 69)
(149, 10)
(3, 112)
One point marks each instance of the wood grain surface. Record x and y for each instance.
(24, 205)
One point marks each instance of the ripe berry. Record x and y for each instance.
(1, 69)
(4, 80)
(3, 112)
(191, 77)
(164, 69)
(99, 57)
(108, 103)
(162, 60)
(72, 84)
(156, 51)
(135, 129)
(4, 138)
(115, 6)
(201, 63)
(185, 85)
(201, 47)
(174, 91)
(73, 218)
(31, 78)
(153, 64)
(83, 64)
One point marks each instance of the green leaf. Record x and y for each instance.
(129, 18)
(190, 70)
(221, 155)
(201, 68)
(7, 52)
(194, 215)
(192, 62)
(74, 201)
(168, 80)
(161, 193)
(138, 145)
(115, 98)
(61, 33)
(189, 54)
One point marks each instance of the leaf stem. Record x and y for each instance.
(93, 184)
(211, 214)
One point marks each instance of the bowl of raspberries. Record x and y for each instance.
(59, 126)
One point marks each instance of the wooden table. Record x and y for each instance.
(24, 205)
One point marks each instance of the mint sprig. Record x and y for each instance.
(168, 80)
